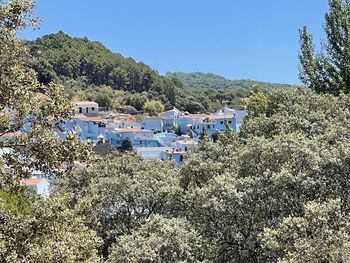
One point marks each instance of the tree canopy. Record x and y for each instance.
(35, 229)
(328, 70)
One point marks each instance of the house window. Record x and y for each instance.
(87, 110)
(208, 126)
(221, 122)
(93, 108)
(229, 122)
(197, 127)
(80, 110)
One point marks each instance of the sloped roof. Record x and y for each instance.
(132, 130)
(199, 116)
(85, 103)
(185, 141)
(224, 116)
(30, 181)
(89, 118)
(10, 135)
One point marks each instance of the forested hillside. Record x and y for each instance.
(210, 80)
(59, 55)
(88, 70)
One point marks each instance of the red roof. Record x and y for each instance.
(215, 117)
(202, 116)
(189, 142)
(30, 181)
(10, 135)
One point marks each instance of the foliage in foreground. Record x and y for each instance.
(34, 229)
(52, 232)
(241, 196)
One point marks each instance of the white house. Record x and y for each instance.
(185, 144)
(240, 115)
(88, 127)
(153, 124)
(150, 152)
(138, 137)
(217, 123)
(173, 154)
(228, 111)
(86, 107)
(191, 122)
(37, 184)
(174, 113)
(120, 124)
(166, 138)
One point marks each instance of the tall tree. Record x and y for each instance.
(28, 110)
(31, 230)
(328, 70)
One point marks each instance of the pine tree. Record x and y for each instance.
(328, 70)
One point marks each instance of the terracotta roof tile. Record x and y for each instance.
(30, 181)
(226, 116)
(188, 142)
(194, 116)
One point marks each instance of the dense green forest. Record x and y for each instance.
(277, 192)
(88, 70)
(210, 80)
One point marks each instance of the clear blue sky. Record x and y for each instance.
(250, 39)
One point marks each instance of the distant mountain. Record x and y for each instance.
(210, 80)
(90, 71)
(62, 56)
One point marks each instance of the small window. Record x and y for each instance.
(92, 108)
(80, 110)
(208, 126)
(229, 122)
(221, 122)
(197, 127)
